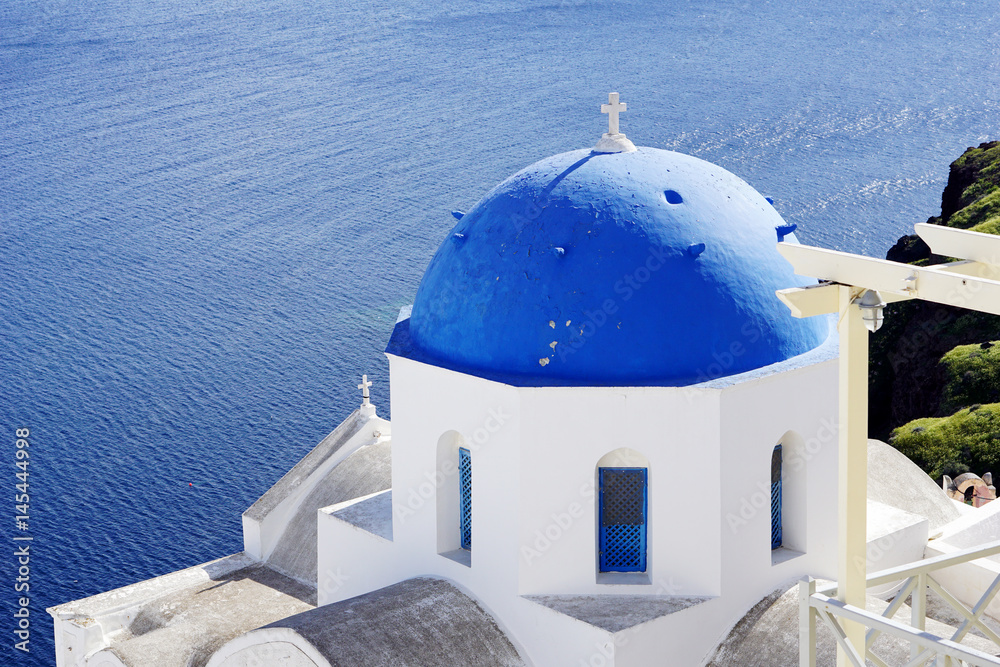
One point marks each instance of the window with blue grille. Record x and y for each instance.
(465, 497)
(623, 503)
(776, 498)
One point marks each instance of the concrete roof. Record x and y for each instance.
(185, 627)
(364, 472)
(896, 481)
(372, 513)
(616, 612)
(300, 472)
(978, 527)
(769, 635)
(419, 622)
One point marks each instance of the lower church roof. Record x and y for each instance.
(421, 621)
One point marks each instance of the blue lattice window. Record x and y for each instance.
(465, 497)
(623, 503)
(776, 498)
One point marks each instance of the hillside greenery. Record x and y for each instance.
(973, 376)
(962, 442)
(935, 370)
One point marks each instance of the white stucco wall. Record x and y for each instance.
(895, 537)
(428, 402)
(535, 453)
(350, 560)
(797, 409)
(565, 431)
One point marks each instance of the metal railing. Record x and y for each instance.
(925, 648)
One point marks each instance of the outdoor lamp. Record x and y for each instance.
(871, 305)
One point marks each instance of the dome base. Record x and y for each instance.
(614, 143)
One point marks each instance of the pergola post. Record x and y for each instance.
(853, 465)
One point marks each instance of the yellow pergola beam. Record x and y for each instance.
(810, 301)
(975, 246)
(957, 284)
(819, 299)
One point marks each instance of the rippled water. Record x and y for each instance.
(210, 212)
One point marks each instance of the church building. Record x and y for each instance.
(609, 441)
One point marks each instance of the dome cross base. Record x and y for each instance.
(614, 143)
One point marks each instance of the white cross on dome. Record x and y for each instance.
(614, 141)
(613, 108)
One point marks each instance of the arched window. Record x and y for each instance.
(623, 502)
(790, 458)
(776, 530)
(453, 493)
(465, 497)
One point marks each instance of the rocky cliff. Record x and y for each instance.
(929, 361)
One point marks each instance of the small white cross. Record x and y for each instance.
(364, 390)
(613, 108)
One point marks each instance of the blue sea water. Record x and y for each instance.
(210, 212)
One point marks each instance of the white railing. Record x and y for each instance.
(925, 648)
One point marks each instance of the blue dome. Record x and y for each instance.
(620, 269)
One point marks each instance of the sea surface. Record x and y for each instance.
(211, 211)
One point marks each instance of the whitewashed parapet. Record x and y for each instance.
(83, 627)
(265, 520)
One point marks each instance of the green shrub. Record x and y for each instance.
(990, 226)
(967, 440)
(979, 213)
(972, 376)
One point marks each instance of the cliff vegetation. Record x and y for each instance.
(935, 370)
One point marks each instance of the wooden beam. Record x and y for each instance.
(812, 300)
(968, 267)
(820, 299)
(940, 284)
(963, 244)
